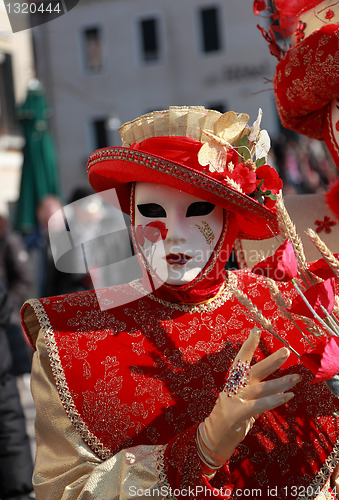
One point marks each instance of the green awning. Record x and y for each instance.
(39, 171)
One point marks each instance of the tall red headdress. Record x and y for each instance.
(307, 75)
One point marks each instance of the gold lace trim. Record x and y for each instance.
(160, 468)
(64, 393)
(320, 482)
(209, 305)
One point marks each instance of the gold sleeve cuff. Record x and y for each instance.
(66, 468)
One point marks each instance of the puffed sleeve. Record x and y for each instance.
(67, 469)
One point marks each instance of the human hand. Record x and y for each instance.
(234, 414)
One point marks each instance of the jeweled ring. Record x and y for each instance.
(237, 378)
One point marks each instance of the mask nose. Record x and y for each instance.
(177, 230)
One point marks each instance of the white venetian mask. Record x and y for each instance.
(176, 231)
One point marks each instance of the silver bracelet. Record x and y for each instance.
(206, 460)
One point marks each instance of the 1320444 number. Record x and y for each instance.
(32, 8)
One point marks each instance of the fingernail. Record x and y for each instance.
(294, 378)
(289, 396)
(255, 332)
(286, 352)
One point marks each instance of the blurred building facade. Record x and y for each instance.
(16, 70)
(109, 61)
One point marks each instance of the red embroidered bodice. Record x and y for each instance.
(149, 371)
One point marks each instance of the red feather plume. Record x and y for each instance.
(287, 11)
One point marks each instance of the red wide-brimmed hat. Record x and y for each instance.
(200, 152)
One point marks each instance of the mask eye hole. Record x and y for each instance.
(199, 208)
(151, 210)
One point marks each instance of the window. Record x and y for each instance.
(100, 133)
(92, 49)
(149, 39)
(210, 29)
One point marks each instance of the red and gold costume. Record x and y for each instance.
(120, 393)
(135, 381)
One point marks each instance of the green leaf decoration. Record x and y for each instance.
(267, 193)
(260, 162)
(259, 186)
(243, 141)
(243, 150)
(244, 153)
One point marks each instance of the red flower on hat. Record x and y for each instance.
(323, 360)
(245, 177)
(319, 296)
(270, 204)
(153, 232)
(268, 179)
(282, 266)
